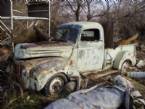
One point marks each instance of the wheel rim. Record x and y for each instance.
(125, 67)
(56, 85)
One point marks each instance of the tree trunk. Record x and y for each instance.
(77, 16)
(77, 13)
(108, 32)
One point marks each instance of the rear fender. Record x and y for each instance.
(122, 57)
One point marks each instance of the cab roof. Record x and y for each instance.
(84, 25)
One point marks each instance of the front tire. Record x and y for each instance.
(55, 85)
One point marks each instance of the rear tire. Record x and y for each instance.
(55, 85)
(125, 67)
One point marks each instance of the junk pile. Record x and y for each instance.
(119, 94)
(4, 54)
(139, 72)
(130, 40)
(136, 75)
(8, 85)
(141, 57)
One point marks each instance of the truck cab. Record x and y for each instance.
(76, 49)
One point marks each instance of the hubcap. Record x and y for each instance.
(125, 67)
(56, 85)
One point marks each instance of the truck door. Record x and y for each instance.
(90, 50)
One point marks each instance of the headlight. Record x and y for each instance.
(32, 72)
(24, 72)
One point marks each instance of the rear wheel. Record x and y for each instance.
(55, 85)
(125, 67)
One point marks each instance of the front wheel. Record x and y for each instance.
(55, 85)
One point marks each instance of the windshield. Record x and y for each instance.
(67, 34)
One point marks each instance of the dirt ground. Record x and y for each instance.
(31, 100)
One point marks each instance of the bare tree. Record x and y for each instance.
(93, 9)
(119, 17)
(75, 7)
(88, 5)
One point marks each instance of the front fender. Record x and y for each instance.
(40, 74)
(44, 77)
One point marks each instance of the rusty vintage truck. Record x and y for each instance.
(76, 49)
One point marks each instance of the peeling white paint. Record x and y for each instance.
(42, 61)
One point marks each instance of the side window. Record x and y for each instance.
(90, 35)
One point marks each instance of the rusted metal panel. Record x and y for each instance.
(124, 53)
(90, 56)
(24, 51)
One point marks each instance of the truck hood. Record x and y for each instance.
(44, 49)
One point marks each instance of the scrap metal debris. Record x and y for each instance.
(136, 75)
(141, 64)
(130, 40)
(102, 97)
